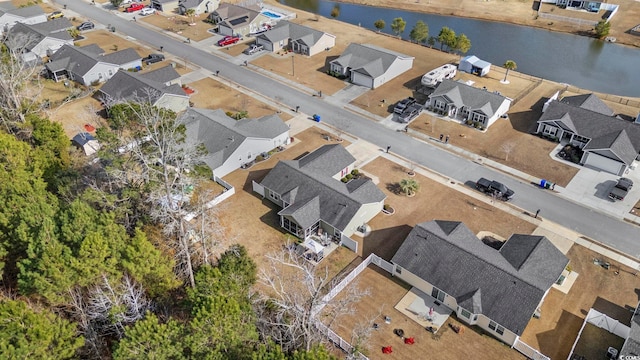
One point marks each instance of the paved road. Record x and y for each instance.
(598, 226)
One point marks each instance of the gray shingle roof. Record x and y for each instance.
(622, 137)
(125, 85)
(506, 285)
(120, 57)
(188, 4)
(222, 135)
(82, 59)
(474, 99)
(631, 345)
(307, 184)
(28, 36)
(227, 10)
(288, 30)
(589, 102)
(368, 59)
(25, 12)
(164, 74)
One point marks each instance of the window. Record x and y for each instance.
(398, 269)
(495, 327)
(464, 313)
(581, 138)
(439, 105)
(550, 130)
(438, 294)
(274, 196)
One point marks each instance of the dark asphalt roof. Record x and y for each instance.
(505, 285)
(463, 95)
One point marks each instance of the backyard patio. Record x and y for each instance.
(424, 310)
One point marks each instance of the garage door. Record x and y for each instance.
(603, 163)
(362, 80)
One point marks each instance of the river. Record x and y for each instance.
(565, 58)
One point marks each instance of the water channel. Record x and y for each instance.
(564, 58)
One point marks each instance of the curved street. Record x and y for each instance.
(595, 225)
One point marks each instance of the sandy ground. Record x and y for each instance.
(562, 314)
(180, 25)
(518, 12)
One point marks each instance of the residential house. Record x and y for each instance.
(160, 87)
(609, 143)
(89, 64)
(37, 41)
(165, 5)
(199, 6)
(233, 143)
(631, 347)
(473, 65)
(86, 142)
(26, 15)
(300, 39)
(239, 20)
(312, 197)
(467, 103)
(369, 65)
(496, 290)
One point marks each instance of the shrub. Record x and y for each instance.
(344, 180)
(355, 172)
(95, 83)
(229, 113)
(349, 176)
(386, 207)
(259, 158)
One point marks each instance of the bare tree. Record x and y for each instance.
(293, 304)
(20, 85)
(360, 335)
(507, 148)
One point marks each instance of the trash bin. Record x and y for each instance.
(543, 182)
(316, 118)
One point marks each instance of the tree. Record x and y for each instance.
(20, 85)
(431, 41)
(462, 44)
(74, 32)
(420, 32)
(379, 24)
(27, 333)
(289, 309)
(509, 65)
(446, 37)
(508, 148)
(398, 25)
(190, 14)
(151, 339)
(602, 28)
(409, 186)
(116, 3)
(335, 12)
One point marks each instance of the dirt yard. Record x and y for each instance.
(562, 314)
(212, 94)
(518, 12)
(432, 201)
(109, 42)
(385, 293)
(74, 115)
(260, 231)
(180, 25)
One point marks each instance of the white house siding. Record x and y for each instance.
(101, 72)
(175, 103)
(326, 41)
(344, 171)
(247, 151)
(398, 67)
(224, 30)
(132, 64)
(9, 20)
(364, 214)
(268, 46)
(508, 337)
(603, 163)
(49, 46)
(503, 109)
(169, 7)
(424, 286)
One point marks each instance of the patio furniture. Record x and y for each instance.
(399, 332)
(409, 341)
(387, 350)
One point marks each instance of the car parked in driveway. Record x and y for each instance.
(87, 25)
(147, 11)
(134, 7)
(55, 15)
(403, 104)
(228, 40)
(153, 58)
(410, 113)
(254, 48)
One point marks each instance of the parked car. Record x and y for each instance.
(125, 2)
(55, 15)
(403, 104)
(134, 7)
(87, 25)
(410, 113)
(153, 58)
(620, 189)
(228, 40)
(494, 188)
(147, 11)
(254, 48)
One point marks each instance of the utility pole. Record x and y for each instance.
(293, 66)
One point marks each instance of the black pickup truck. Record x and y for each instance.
(620, 189)
(494, 188)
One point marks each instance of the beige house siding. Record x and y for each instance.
(364, 214)
(326, 41)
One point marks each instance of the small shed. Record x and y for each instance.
(473, 65)
(86, 142)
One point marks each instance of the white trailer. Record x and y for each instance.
(435, 76)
